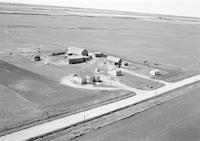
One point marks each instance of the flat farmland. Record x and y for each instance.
(167, 42)
(23, 92)
(176, 120)
(27, 97)
(34, 87)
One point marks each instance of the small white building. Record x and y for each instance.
(155, 72)
(91, 55)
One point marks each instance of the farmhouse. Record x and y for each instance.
(114, 60)
(79, 80)
(76, 59)
(77, 51)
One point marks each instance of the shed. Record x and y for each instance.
(77, 51)
(99, 54)
(76, 59)
(36, 58)
(114, 60)
(155, 72)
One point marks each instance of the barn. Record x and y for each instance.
(76, 59)
(114, 60)
(77, 51)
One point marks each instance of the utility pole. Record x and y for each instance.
(149, 67)
(149, 70)
(195, 80)
(110, 80)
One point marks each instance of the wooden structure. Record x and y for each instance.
(74, 59)
(77, 51)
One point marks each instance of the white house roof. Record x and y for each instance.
(113, 59)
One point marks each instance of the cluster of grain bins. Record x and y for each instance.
(93, 79)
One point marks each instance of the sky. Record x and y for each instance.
(169, 7)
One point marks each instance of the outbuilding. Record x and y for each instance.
(155, 72)
(74, 59)
(114, 60)
(36, 58)
(99, 54)
(77, 51)
(97, 78)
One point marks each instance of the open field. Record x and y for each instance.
(27, 97)
(162, 42)
(178, 119)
